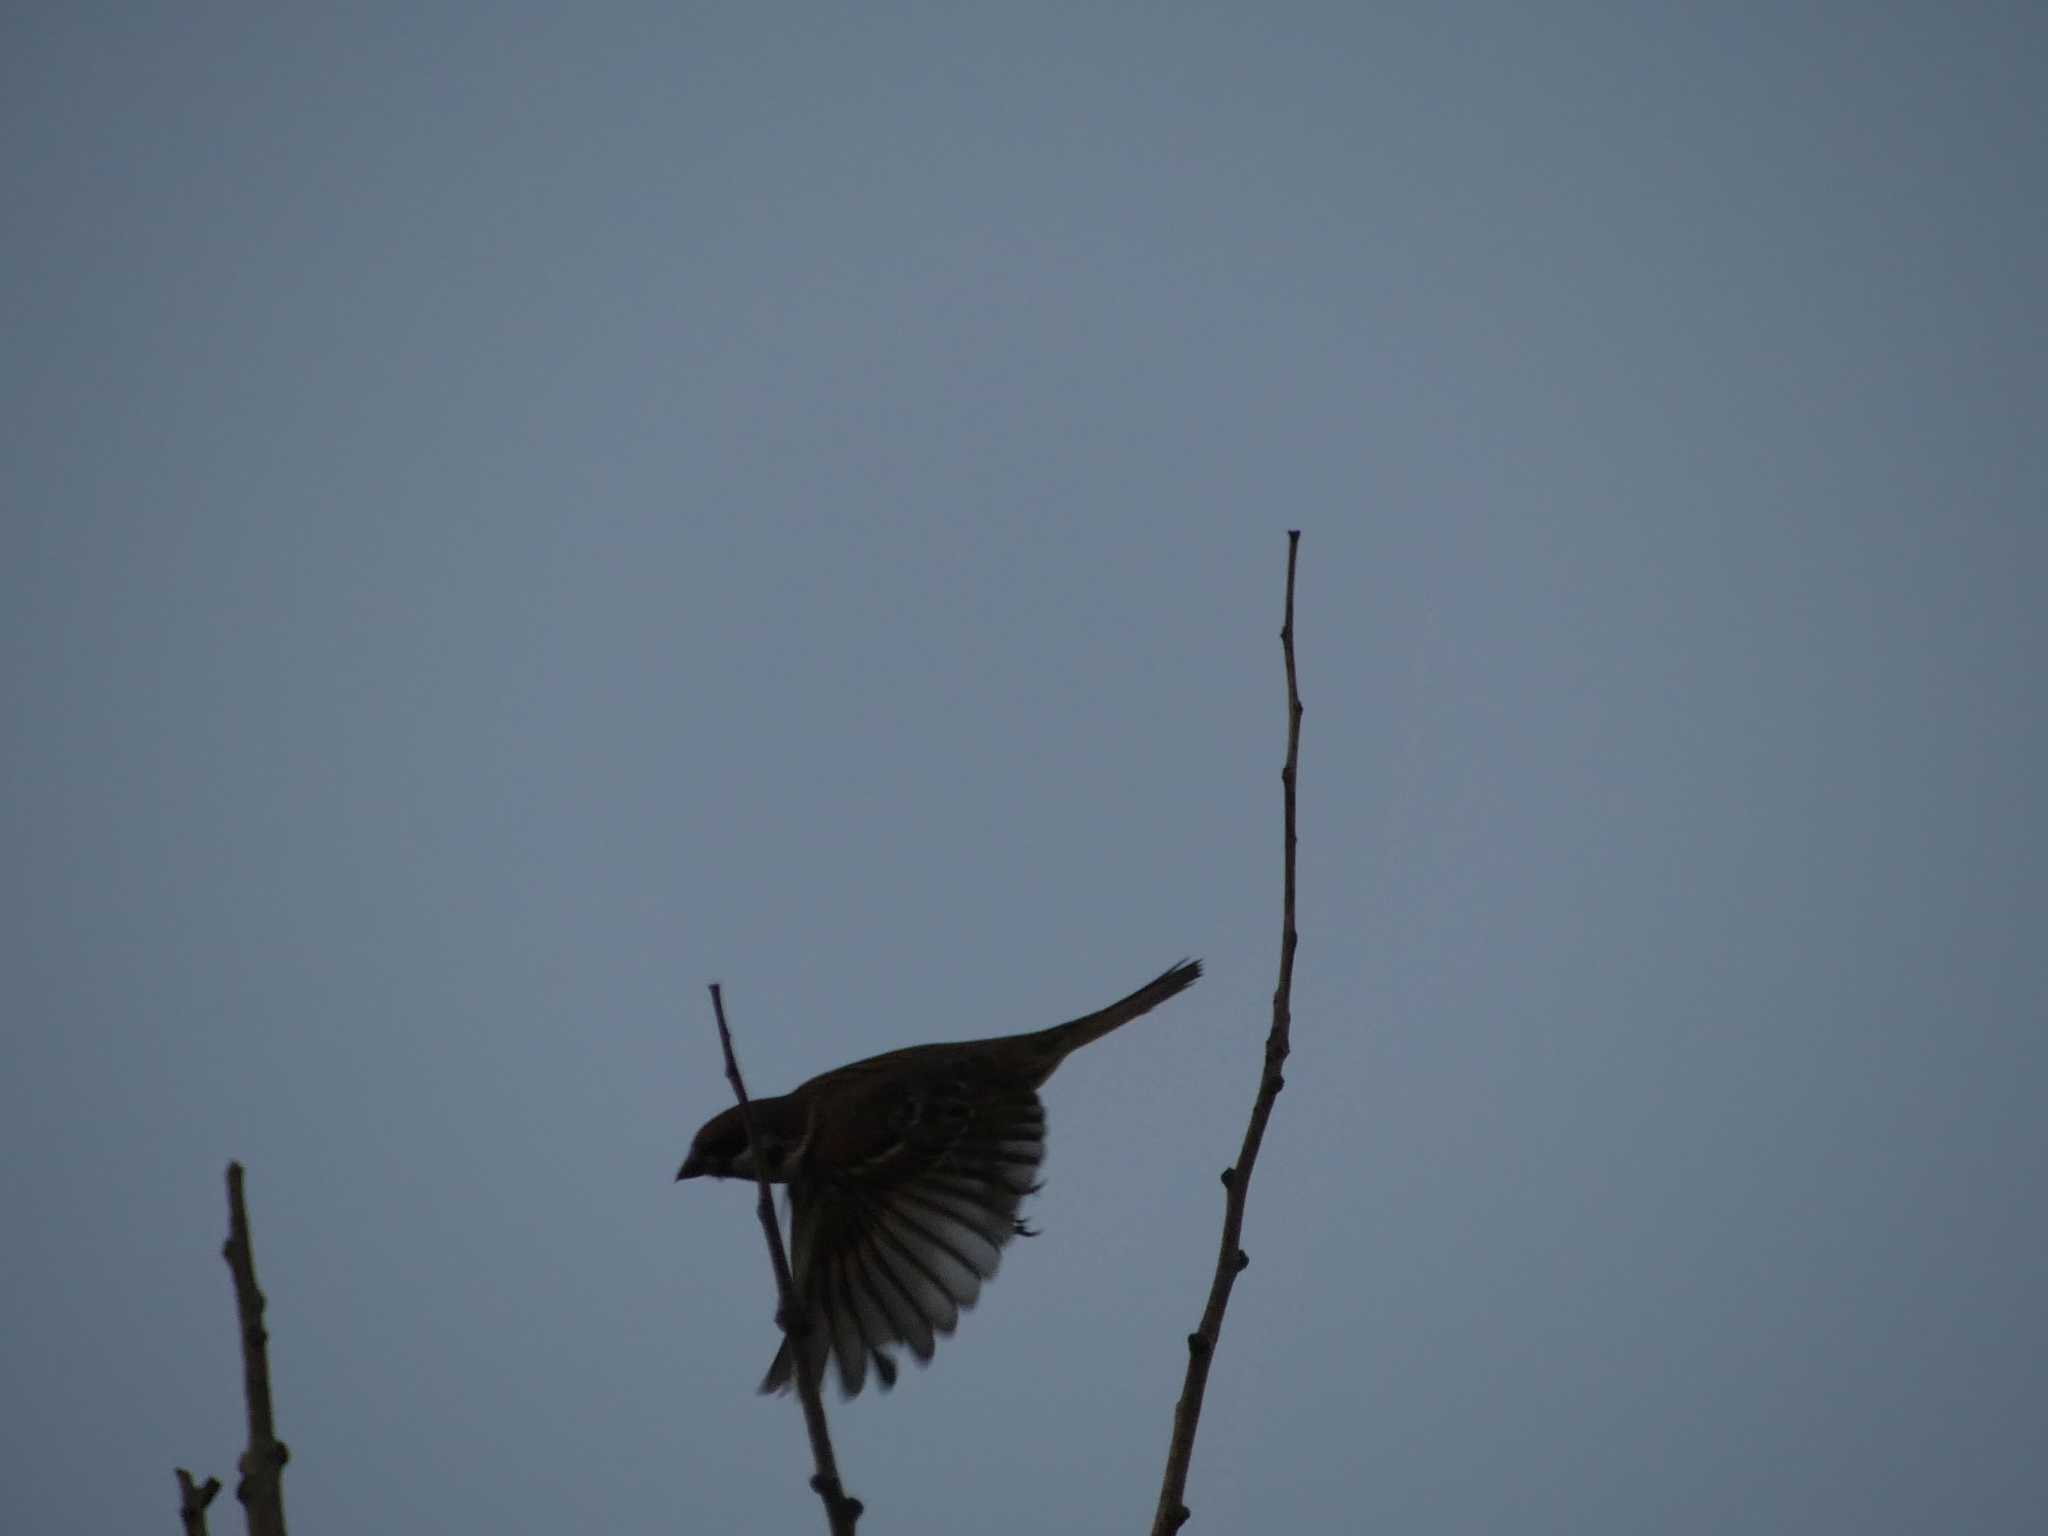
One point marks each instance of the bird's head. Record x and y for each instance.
(720, 1151)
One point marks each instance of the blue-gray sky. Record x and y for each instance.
(515, 513)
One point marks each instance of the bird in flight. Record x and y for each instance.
(905, 1172)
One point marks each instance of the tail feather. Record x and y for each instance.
(1071, 1036)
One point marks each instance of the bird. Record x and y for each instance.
(904, 1175)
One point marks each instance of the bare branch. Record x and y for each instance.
(1231, 1259)
(842, 1510)
(261, 1489)
(192, 1501)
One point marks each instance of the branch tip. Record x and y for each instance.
(1231, 1259)
(842, 1510)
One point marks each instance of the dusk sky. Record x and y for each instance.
(515, 513)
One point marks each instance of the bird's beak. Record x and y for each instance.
(692, 1168)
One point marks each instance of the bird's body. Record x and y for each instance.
(905, 1173)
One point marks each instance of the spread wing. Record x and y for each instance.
(890, 1248)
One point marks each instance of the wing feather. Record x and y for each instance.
(890, 1256)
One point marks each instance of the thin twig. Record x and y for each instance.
(1231, 1259)
(192, 1501)
(261, 1489)
(842, 1510)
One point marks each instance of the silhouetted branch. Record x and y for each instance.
(1231, 1259)
(192, 1501)
(842, 1510)
(261, 1489)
